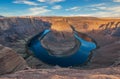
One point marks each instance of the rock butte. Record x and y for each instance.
(60, 41)
(61, 26)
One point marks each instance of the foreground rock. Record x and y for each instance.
(10, 61)
(61, 73)
(107, 55)
(108, 51)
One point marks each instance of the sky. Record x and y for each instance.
(96, 8)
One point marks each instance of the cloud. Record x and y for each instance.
(102, 8)
(25, 2)
(100, 11)
(98, 5)
(110, 12)
(42, 0)
(75, 8)
(116, 0)
(38, 10)
(57, 7)
(51, 1)
(105, 14)
(79, 15)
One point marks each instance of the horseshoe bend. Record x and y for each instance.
(62, 44)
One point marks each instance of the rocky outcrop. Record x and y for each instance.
(111, 28)
(63, 73)
(10, 61)
(60, 41)
(106, 56)
(116, 31)
(14, 28)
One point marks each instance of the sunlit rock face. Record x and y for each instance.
(60, 41)
(61, 26)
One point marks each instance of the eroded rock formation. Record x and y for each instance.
(60, 41)
(10, 61)
(12, 29)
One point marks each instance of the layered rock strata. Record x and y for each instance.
(60, 41)
(10, 61)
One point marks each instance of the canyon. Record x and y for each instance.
(105, 32)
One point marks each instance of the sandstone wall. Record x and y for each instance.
(14, 28)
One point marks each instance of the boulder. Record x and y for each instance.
(10, 61)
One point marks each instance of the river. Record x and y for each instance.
(80, 57)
